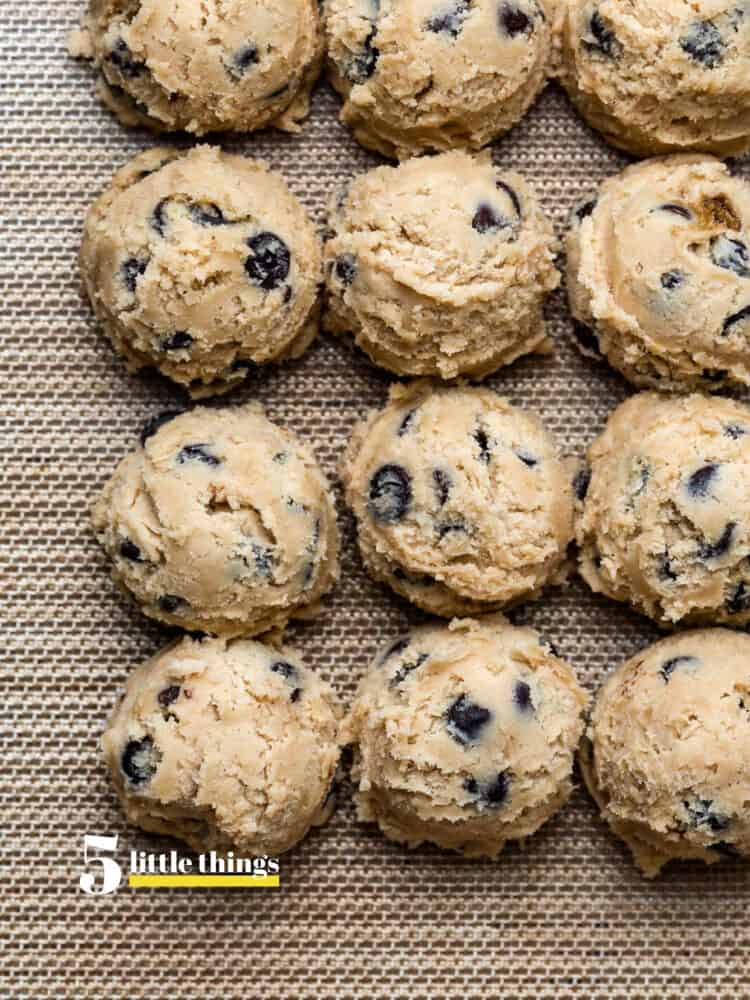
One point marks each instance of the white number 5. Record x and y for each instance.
(111, 871)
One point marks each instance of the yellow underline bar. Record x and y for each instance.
(203, 881)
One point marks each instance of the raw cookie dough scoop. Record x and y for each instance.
(465, 736)
(221, 522)
(225, 745)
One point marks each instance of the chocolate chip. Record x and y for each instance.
(527, 459)
(465, 720)
(586, 338)
(491, 794)
(441, 483)
(703, 813)
(581, 482)
(714, 375)
(345, 268)
(178, 341)
(514, 199)
(270, 261)
(449, 20)
(122, 58)
(669, 666)
(406, 424)
(390, 493)
(454, 526)
(730, 254)
(487, 220)
(153, 424)
(362, 67)
(139, 760)
(666, 572)
(485, 449)
(205, 213)
(170, 603)
(158, 218)
(522, 697)
(739, 601)
(408, 668)
(131, 270)
(738, 317)
(699, 483)
(197, 453)
(704, 43)
(169, 695)
(672, 279)
(714, 550)
(585, 210)
(244, 59)
(290, 673)
(672, 209)
(265, 559)
(129, 550)
(734, 431)
(604, 39)
(513, 21)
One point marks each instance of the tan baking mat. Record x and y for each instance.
(356, 916)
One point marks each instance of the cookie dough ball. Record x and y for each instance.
(664, 521)
(664, 77)
(203, 265)
(225, 745)
(440, 266)
(659, 269)
(462, 502)
(204, 67)
(668, 749)
(220, 522)
(465, 736)
(421, 75)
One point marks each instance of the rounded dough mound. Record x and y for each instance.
(225, 745)
(440, 266)
(659, 268)
(667, 751)
(220, 522)
(419, 75)
(462, 502)
(664, 523)
(204, 67)
(664, 77)
(201, 264)
(465, 736)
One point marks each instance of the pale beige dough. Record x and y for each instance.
(225, 745)
(659, 269)
(463, 504)
(465, 736)
(206, 66)
(221, 522)
(667, 754)
(201, 264)
(419, 75)
(440, 266)
(659, 77)
(664, 524)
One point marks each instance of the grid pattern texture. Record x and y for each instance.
(566, 915)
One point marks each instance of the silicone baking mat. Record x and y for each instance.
(566, 915)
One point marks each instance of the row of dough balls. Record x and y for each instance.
(204, 265)
(222, 522)
(416, 75)
(464, 736)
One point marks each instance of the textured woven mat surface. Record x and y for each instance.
(357, 916)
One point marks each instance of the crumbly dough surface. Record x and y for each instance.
(431, 75)
(659, 270)
(664, 523)
(221, 522)
(440, 266)
(666, 77)
(225, 745)
(204, 67)
(462, 502)
(465, 736)
(667, 755)
(202, 264)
